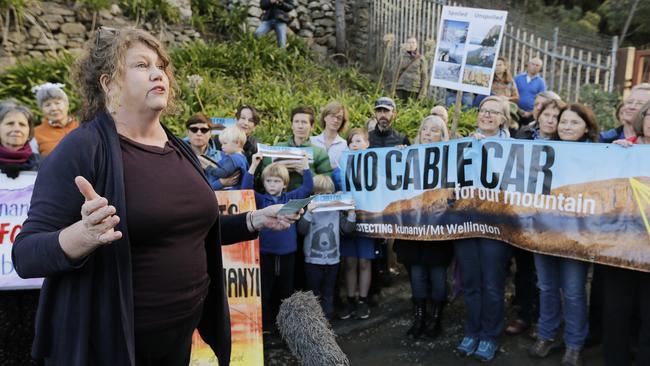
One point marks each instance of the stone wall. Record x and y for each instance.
(315, 21)
(58, 24)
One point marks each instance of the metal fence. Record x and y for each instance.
(565, 69)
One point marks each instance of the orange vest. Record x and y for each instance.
(48, 136)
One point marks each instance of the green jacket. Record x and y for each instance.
(321, 164)
(412, 75)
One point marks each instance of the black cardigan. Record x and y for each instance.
(85, 313)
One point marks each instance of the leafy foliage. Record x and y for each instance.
(17, 81)
(603, 104)
(615, 13)
(246, 71)
(219, 20)
(150, 10)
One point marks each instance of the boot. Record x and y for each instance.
(434, 326)
(419, 322)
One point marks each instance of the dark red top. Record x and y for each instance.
(170, 209)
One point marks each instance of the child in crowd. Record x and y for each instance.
(322, 231)
(232, 141)
(277, 248)
(358, 251)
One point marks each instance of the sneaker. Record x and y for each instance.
(572, 357)
(467, 346)
(363, 310)
(542, 348)
(348, 311)
(486, 350)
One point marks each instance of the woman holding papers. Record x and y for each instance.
(124, 226)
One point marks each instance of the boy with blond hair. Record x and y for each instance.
(277, 248)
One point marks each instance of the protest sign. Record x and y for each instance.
(15, 197)
(467, 49)
(279, 153)
(333, 202)
(219, 124)
(241, 269)
(574, 200)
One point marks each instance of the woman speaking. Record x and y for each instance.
(124, 226)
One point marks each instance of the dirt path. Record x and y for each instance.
(380, 340)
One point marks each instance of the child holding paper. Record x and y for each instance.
(322, 231)
(232, 141)
(277, 248)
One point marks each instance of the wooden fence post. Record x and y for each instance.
(553, 51)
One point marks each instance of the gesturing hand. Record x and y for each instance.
(97, 216)
(96, 227)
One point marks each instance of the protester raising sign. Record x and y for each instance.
(568, 199)
(15, 196)
(467, 48)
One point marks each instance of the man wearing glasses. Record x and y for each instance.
(639, 95)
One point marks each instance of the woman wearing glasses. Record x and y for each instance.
(333, 120)
(124, 226)
(639, 95)
(483, 262)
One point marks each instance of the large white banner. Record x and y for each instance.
(468, 46)
(15, 195)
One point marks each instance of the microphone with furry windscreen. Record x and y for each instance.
(308, 334)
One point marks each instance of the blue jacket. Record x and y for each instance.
(528, 91)
(211, 152)
(285, 241)
(226, 167)
(85, 311)
(611, 135)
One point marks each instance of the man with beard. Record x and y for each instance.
(384, 135)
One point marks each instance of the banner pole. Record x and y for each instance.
(457, 108)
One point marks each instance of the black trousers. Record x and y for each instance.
(526, 295)
(277, 284)
(626, 308)
(170, 347)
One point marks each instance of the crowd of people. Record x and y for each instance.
(121, 148)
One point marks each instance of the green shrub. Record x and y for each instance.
(245, 71)
(17, 81)
(603, 104)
